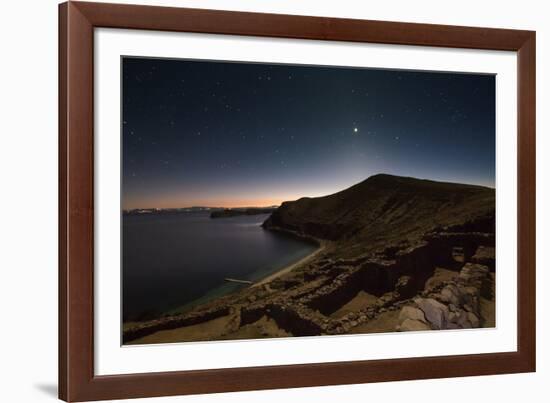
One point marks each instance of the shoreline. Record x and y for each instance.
(321, 246)
(289, 268)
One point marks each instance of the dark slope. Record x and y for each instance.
(386, 209)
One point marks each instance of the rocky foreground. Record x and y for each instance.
(400, 254)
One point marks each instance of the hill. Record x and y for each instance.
(386, 209)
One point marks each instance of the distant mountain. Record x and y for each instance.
(171, 210)
(216, 212)
(386, 208)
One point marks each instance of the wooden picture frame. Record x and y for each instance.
(77, 381)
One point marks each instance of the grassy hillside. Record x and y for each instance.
(385, 209)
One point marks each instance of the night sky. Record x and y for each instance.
(217, 134)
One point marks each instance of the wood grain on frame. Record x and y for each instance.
(77, 381)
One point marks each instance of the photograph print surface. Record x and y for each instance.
(268, 200)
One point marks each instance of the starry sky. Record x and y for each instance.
(219, 134)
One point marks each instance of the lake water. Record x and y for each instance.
(176, 260)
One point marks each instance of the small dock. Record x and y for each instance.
(234, 280)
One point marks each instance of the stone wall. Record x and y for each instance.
(304, 309)
(173, 322)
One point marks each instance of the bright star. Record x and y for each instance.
(355, 129)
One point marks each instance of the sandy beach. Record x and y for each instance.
(289, 268)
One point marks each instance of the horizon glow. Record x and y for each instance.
(217, 134)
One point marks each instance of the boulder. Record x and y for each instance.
(453, 316)
(435, 312)
(450, 295)
(411, 325)
(463, 321)
(410, 312)
(474, 320)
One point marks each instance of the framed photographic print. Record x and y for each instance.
(254, 201)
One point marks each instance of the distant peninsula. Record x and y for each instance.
(215, 212)
(234, 212)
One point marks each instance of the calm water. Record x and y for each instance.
(181, 259)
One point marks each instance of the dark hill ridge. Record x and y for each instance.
(386, 208)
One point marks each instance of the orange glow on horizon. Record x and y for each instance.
(228, 203)
(260, 199)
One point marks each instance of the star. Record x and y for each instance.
(355, 129)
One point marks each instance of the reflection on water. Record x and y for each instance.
(177, 259)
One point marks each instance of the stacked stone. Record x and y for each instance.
(453, 305)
